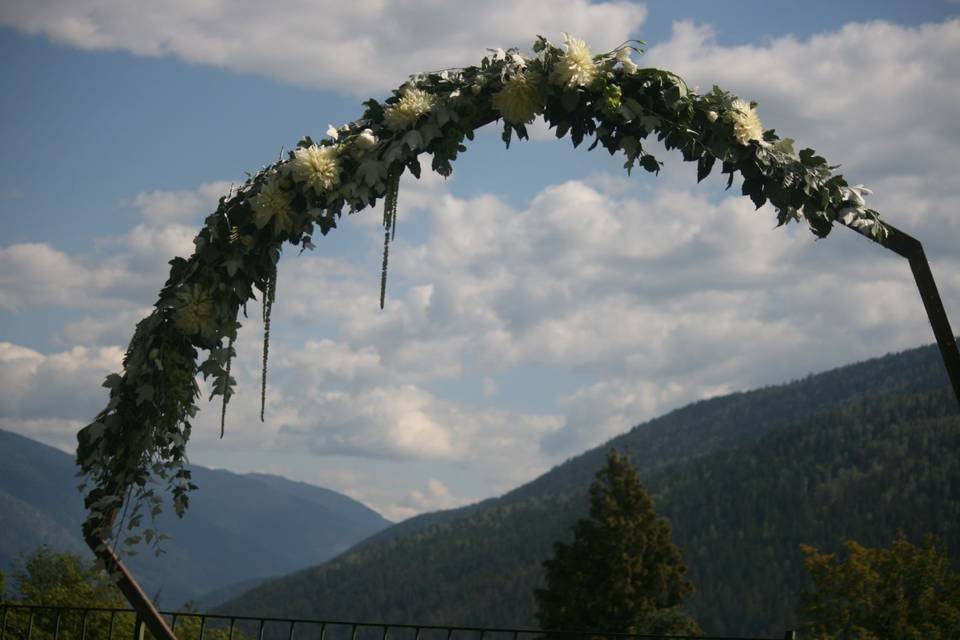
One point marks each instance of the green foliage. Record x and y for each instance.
(140, 436)
(905, 591)
(47, 577)
(621, 567)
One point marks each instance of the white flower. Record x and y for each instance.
(746, 122)
(413, 104)
(576, 67)
(316, 166)
(623, 57)
(712, 116)
(366, 140)
(520, 100)
(854, 195)
(518, 60)
(272, 204)
(194, 314)
(332, 131)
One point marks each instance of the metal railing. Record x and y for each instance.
(39, 622)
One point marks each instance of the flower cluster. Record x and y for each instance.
(520, 99)
(413, 104)
(746, 122)
(194, 313)
(272, 204)
(576, 68)
(316, 166)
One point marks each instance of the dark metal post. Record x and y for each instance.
(146, 612)
(911, 249)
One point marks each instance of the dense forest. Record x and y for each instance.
(744, 480)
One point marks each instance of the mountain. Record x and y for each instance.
(744, 479)
(239, 528)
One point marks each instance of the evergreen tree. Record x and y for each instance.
(904, 591)
(622, 572)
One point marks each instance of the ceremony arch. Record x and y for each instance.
(141, 435)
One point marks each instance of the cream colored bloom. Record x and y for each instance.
(272, 204)
(194, 314)
(746, 122)
(623, 57)
(316, 166)
(332, 132)
(576, 68)
(366, 140)
(520, 100)
(712, 116)
(413, 104)
(854, 195)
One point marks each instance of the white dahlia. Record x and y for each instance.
(316, 166)
(520, 100)
(576, 68)
(272, 204)
(413, 104)
(746, 122)
(194, 312)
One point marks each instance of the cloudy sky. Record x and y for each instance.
(540, 300)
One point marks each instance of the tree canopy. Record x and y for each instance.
(622, 572)
(905, 591)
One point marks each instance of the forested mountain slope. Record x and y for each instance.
(856, 452)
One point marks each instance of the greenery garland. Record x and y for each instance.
(139, 440)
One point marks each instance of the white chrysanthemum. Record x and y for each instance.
(366, 140)
(576, 68)
(316, 166)
(194, 312)
(712, 116)
(520, 100)
(413, 104)
(746, 122)
(272, 204)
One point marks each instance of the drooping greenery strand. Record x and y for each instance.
(268, 297)
(141, 435)
(389, 224)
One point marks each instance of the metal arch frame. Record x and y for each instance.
(910, 248)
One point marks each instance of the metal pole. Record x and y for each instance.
(146, 612)
(911, 249)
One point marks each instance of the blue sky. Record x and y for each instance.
(540, 301)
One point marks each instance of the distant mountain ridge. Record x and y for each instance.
(239, 528)
(775, 457)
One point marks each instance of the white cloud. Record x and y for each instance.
(358, 47)
(51, 395)
(36, 273)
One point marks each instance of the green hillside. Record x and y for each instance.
(744, 479)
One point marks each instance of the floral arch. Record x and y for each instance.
(141, 435)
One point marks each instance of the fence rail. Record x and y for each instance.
(39, 622)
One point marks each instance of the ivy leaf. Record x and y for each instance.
(232, 265)
(704, 166)
(112, 380)
(650, 163)
(414, 140)
(144, 394)
(570, 100)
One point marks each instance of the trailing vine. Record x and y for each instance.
(139, 439)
